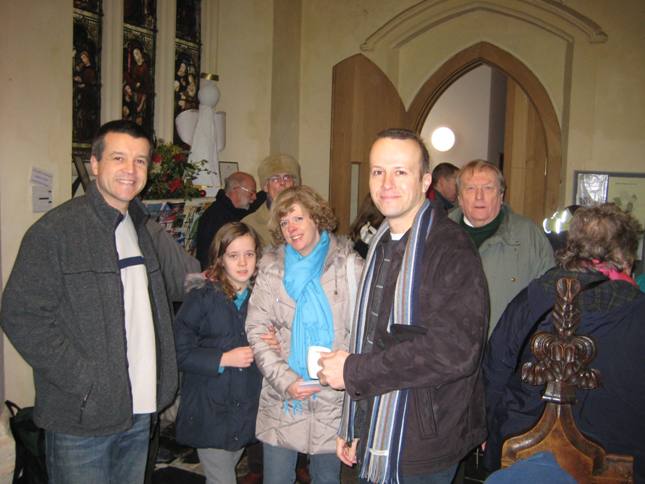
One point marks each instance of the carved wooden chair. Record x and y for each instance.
(563, 359)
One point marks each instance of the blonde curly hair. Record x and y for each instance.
(604, 233)
(315, 205)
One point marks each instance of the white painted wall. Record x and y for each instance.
(465, 108)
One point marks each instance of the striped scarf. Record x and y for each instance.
(387, 420)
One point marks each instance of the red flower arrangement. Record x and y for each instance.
(171, 175)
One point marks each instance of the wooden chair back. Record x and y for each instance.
(563, 360)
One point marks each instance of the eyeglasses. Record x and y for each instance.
(275, 179)
(250, 192)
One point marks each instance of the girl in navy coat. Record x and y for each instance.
(220, 384)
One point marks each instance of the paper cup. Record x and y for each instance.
(313, 355)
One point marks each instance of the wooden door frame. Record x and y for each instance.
(486, 53)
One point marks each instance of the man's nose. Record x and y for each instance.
(128, 166)
(388, 180)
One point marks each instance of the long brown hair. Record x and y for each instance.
(225, 237)
(366, 213)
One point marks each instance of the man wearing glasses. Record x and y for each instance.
(276, 173)
(231, 204)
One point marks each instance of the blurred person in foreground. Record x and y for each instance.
(600, 251)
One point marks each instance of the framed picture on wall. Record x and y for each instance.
(627, 190)
(227, 168)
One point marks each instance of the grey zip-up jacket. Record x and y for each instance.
(63, 311)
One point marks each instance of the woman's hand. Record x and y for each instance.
(346, 452)
(297, 391)
(240, 357)
(271, 338)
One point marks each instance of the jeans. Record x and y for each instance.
(108, 459)
(280, 466)
(443, 476)
(219, 465)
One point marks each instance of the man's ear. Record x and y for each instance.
(426, 181)
(94, 165)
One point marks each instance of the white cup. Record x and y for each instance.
(313, 355)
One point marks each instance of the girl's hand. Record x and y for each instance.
(298, 392)
(271, 338)
(240, 357)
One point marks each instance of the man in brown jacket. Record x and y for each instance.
(414, 401)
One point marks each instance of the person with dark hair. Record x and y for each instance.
(303, 293)
(599, 252)
(514, 250)
(232, 203)
(443, 190)
(86, 307)
(363, 228)
(220, 383)
(414, 402)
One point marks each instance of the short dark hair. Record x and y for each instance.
(443, 170)
(119, 126)
(404, 134)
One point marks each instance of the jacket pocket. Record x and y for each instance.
(425, 412)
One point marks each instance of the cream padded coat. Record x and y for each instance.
(314, 430)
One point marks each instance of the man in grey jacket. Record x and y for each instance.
(513, 249)
(86, 307)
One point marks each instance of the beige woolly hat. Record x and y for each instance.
(280, 163)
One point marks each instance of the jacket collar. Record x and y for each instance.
(503, 232)
(225, 203)
(110, 215)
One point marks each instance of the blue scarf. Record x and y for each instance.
(312, 321)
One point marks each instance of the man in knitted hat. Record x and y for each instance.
(276, 173)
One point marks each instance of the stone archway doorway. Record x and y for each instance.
(364, 101)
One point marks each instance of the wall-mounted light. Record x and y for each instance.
(442, 139)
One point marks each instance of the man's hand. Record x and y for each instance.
(332, 369)
(240, 357)
(297, 391)
(346, 452)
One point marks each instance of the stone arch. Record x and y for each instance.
(486, 53)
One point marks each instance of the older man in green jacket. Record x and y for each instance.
(513, 249)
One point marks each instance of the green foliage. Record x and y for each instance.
(171, 175)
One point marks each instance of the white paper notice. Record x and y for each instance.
(41, 198)
(41, 190)
(42, 177)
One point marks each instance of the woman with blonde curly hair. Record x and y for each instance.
(600, 251)
(302, 292)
